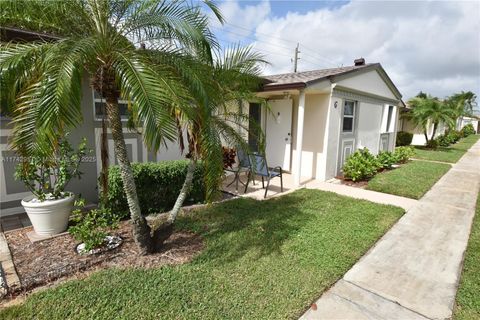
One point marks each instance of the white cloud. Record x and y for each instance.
(428, 46)
(248, 17)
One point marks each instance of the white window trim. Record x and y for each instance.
(349, 116)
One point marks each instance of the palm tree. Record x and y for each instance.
(427, 111)
(100, 38)
(213, 117)
(462, 104)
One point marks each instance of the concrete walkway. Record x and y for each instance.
(358, 193)
(414, 269)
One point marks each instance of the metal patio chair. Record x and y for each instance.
(259, 163)
(244, 165)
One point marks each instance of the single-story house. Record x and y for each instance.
(315, 120)
(418, 134)
(463, 121)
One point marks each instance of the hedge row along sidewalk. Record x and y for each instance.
(468, 302)
(262, 260)
(447, 154)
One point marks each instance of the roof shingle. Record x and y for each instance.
(309, 76)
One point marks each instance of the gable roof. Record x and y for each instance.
(298, 80)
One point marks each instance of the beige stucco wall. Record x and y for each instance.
(316, 106)
(370, 82)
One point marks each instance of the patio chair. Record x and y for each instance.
(244, 165)
(259, 162)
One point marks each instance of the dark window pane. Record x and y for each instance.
(389, 117)
(348, 124)
(123, 108)
(348, 108)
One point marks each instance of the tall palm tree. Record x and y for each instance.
(427, 111)
(462, 103)
(100, 38)
(213, 116)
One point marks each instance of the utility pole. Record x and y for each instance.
(296, 58)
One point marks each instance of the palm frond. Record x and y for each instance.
(153, 94)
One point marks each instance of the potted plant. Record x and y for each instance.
(46, 174)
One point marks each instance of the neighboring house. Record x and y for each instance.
(315, 120)
(12, 191)
(463, 121)
(418, 134)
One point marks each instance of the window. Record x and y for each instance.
(389, 118)
(99, 107)
(348, 116)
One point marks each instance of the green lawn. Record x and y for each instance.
(468, 301)
(411, 180)
(450, 154)
(262, 260)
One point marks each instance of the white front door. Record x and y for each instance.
(279, 133)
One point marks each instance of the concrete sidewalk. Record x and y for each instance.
(414, 270)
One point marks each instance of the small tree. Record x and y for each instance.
(429, 110)
(101, 38)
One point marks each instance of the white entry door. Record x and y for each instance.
(279, 133)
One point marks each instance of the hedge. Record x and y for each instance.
(404, 138)
(158, 185)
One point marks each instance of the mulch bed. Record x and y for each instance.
(40, 263)
(359, 184)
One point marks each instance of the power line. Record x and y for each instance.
(279, 38)
(317, 63)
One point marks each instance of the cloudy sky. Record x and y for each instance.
(433, 46)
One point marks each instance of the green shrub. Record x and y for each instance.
(432, 144)
(403, 154)
(361, 165)
(454, 136)
(444, 140)
(386, 159)
(158, 185)
(468, 130)
(404, 138)
(92, 226)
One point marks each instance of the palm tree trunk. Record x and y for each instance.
(435, 126)
(164, 231)
(104, 161)
(425, 134)
(187, 185)
(141, 230)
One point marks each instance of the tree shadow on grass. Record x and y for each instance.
(242, 227)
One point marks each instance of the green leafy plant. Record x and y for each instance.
(468, 130)
(361, 165)
(158, 185)
(404, 138)
(432, 144)
(92, 226)
(444, 140)
(46, 174)
(454, 136)
(403, 154)
(386, 159)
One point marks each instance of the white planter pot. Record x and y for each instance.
(49, 217)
